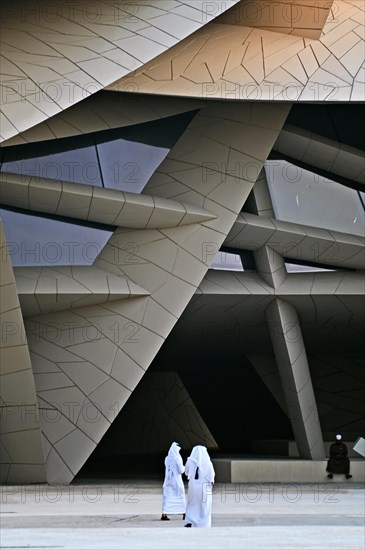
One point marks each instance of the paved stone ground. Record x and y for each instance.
(126, 515)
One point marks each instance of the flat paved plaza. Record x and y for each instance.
(126, 515)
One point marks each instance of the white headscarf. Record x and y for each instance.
(199, 458)
(173, 461)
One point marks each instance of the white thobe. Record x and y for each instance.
(199, 506)
(173, 500)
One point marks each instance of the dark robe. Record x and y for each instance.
(338, 462)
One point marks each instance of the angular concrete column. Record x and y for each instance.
(21, 449)
(262, 203)
(270, 264)
(295, 377)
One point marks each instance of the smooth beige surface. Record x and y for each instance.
(177, 49)
(94, 204)
(236, 63)
(56, 55)
(298, 17)
(49, 289)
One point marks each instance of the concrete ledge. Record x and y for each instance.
(282, 471)
(288, 448)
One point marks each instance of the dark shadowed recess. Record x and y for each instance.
(230, 396)
(339, 122)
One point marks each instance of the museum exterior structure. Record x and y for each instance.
(182, 235)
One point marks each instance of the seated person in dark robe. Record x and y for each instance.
(339, 462)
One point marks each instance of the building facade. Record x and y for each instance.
(182, 241)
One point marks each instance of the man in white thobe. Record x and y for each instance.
(200, 472)
(173, 500)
